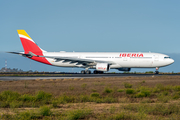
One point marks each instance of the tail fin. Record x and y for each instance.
(28, 44)
(30, 48)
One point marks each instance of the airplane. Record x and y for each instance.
(100, 61)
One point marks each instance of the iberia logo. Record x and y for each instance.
(131, 55)
(101, 68)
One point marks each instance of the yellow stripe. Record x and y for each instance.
(23, 32)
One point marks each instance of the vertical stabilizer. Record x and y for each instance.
(28, 44)
(31, 47)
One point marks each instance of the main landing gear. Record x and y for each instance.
(98, 72)
(86, 72)
(89, 72)
(157, 72)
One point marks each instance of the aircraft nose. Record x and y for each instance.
(171, 61)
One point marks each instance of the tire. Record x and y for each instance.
(98, 72)
(156, 72)
(88, 72)
(83, 72)
(95, 72)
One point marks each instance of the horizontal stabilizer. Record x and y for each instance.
(30, 54)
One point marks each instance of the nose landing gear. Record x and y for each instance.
(157, 72)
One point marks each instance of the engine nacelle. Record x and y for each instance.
(102, 67)
(124, 69)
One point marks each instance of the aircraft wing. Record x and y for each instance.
(78, 60)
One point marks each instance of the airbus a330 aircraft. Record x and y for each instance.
(100, 61)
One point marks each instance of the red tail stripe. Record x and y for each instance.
(30, 46)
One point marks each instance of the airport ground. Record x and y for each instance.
(30, 76)
(111, 98)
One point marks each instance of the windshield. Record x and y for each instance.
(166, 57)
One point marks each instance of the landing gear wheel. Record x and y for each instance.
(95, 72)
(88, 72)
(101, 72)
(83, 72)
(156, 72)
(98, 72)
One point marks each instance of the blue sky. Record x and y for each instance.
(92, 25)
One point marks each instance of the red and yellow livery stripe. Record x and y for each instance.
(30, 46)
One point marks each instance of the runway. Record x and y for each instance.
(70, 76)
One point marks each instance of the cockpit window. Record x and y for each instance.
(166, 57)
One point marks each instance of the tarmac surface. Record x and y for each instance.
(70, 76)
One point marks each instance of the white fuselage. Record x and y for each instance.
(101, 61)
(119, 60)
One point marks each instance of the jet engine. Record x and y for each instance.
(102, 67)
(124, 69)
